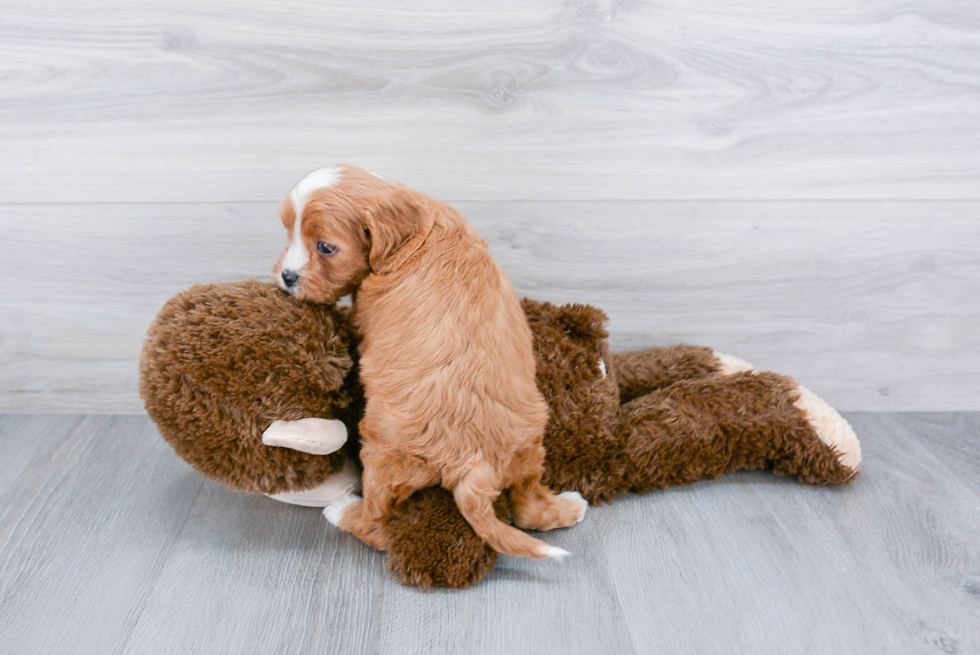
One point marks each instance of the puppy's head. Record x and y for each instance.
(345, 223)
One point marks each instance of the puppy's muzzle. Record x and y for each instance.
(290, 278)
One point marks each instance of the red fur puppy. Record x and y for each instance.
(446, 359)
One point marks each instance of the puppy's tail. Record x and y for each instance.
(474, 497)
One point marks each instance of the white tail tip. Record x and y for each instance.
(554, 552)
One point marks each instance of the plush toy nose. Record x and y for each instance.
(290, 278)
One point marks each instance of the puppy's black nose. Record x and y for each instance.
(290, 278)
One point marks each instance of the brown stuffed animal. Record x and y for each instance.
(224, 362)
(233, 373)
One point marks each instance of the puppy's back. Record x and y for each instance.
(445, 340)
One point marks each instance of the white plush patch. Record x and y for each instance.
(554, 552)
(602, 367)
(343, 483)
(335, 510)
(576, 496)
(730, 365)
(317, 436)
(832, 428)
(297, 254)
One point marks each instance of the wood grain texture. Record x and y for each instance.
(870, 304)
(84, 530)
(110, 544)
(26, 437)
(250, 575)
(582, 136)
(594, 99)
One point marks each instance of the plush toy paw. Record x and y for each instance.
(335, 510)
(832, 428)
(341, 484)
(317, 436)
(730, 365)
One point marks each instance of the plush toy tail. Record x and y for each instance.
(475, 503)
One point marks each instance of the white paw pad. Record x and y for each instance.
(577, 497)
(335, 510)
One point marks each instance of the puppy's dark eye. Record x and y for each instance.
(326, 248)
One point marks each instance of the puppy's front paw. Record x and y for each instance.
(334, 511)
(317, 436)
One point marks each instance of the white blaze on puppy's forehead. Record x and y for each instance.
(318, 179)
(296, 254)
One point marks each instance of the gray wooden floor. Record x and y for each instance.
(110, 544)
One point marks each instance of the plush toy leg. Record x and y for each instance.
(643, 371)
(339, 485)
(317, 436)
(832, 428)
(430, 544)
(702, 428)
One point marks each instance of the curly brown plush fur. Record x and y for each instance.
(224, 361)
(433, 545)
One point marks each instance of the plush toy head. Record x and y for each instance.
(222, 361)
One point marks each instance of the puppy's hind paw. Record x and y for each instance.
(576, 497)
(335, 510)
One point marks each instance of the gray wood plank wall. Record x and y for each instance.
(798, 184)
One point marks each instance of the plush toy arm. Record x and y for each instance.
(643, 371)
(337, 485)
(698, 429)
(317, 436)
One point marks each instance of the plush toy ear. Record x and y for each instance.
(397, 225)
(582, 321)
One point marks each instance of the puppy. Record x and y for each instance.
(446, 357)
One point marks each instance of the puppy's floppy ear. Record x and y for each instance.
(397, 224)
